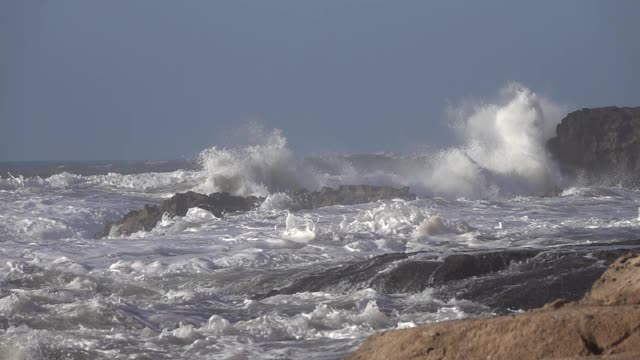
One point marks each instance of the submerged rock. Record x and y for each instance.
(604, 323)
(221, 203)
(599, 143)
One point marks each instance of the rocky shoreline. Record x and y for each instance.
(580, 319)
(605, 323)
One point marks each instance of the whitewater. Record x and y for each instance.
(189, 288)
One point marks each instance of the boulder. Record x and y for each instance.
(604, 324)
(136, 220)
(599, 143)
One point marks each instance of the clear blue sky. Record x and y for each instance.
(160, 79)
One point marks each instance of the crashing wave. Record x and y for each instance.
(259, 169)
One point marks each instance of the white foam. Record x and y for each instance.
(299, 229)
(277, 202)
(388, 218)
(196, 219)
(437, 225)
(263, 167)
(503, 149)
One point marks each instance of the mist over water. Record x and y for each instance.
(501, 153)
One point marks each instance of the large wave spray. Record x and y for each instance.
(503, 150)
(501, 153)
(265, 166)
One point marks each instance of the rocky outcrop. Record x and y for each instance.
(218, 204)
(604, 324)
(404, 272)
(501, 280)
(146, 218)
(599, 142)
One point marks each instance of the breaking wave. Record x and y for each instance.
(258, 169)
(501, 153)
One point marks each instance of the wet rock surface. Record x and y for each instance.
(532, 282)
(599, 143)
(146, 218)
(222, 203)
(502, 280)
(358, 275)
(604, 324)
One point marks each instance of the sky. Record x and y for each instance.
(165, 79)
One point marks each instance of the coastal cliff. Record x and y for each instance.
(600, 143)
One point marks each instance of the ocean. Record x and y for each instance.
(194, 286)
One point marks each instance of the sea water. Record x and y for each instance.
(185, 289)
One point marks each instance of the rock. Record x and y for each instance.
(564, 333)
(136, 220)
(606, 322)
(532, 282)
(501, 280)
(220, 203)
(460, 266)
(146, 218)
(599, 143)
(620, 285)
(347, 195)
(358, 275)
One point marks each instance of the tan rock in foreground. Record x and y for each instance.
(619, 285)
(605, 324)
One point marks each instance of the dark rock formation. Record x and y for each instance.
(147, 217)
(461, 266)
(531, 283)
(402, 272)
(599, 142)
(347, 195)
(502, 280)
(345, 278)
(604, 324)
(221, 203)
